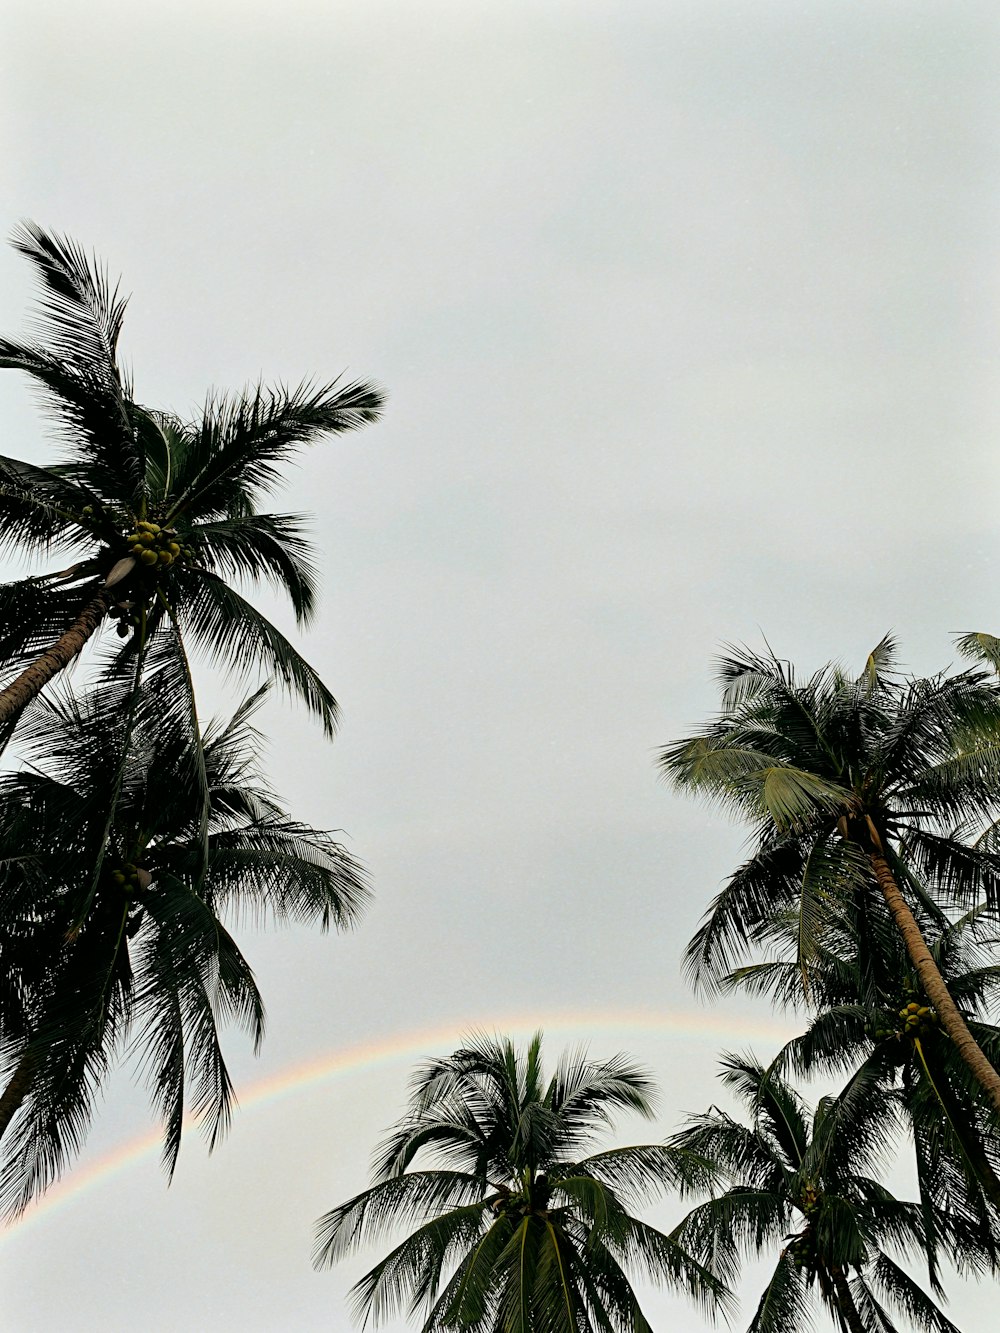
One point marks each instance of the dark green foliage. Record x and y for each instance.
(868, 1013)
(806, 763)
(515, 1232)
(808, 1188)
(130, 473)
(125, 846)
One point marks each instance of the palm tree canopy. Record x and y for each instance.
(868, 1011)
(809, 1187)
(125, 847)
(165, 512)
(825, 768)
(517, 1233)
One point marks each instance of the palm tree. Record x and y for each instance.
(518, 1234)
(867, 1012)
(115, 885)
(157, 513)
(807, 1188)
(853, 785)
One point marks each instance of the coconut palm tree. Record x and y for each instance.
(157, 515)
(115, 890)
(808, 1188)
(518, 1233)
(867, 1012)
(853, 786)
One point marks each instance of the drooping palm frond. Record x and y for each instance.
(253, 547)
(784, 1302)
(897, 1288)
(41, 510)
(239, 637)
(980, 648)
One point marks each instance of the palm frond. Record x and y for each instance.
(238, 636)
(783, 1305)
(263, 546)
(236, 453)
(897, 1287)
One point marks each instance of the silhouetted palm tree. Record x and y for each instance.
(853, 785)
(518, 1233)
(809, 1189)
(868, 1012)
(157, 514)
(116, 879)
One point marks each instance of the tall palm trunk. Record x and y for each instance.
(930, 976)
(16, 1090)
(16, 696)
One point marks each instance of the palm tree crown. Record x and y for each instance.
(867, 1013)
(158, 514)
(809, 1187)
(519, 1234)
(853, 785)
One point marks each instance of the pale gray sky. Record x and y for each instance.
(688, 317)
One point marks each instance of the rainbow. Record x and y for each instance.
(299, 1078)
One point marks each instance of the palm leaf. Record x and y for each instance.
(241, 638)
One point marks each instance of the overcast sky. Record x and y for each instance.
(687, 315)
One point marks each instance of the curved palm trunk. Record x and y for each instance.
(16, 1090)
(16, 696)
(932, 981)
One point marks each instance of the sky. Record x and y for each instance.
(687, 316)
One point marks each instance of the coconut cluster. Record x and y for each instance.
(127, 878)
(152, 545)
(127, 615)
(917, 1018)
(914, 1020)
(809, 1199)
(802, 1250)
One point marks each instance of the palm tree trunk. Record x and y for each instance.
(16, 696)
(844, 1301)
(932, 981)
(16, 1091)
